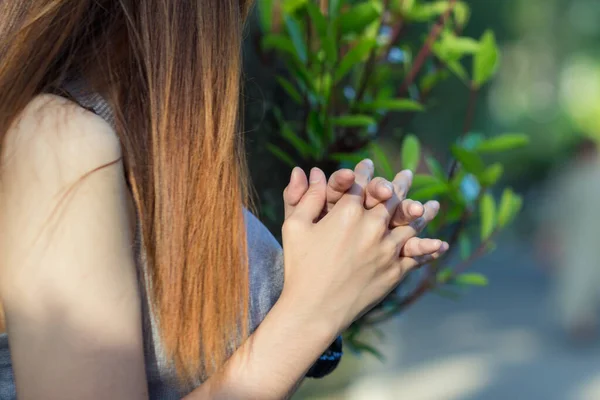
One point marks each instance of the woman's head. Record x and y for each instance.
(171, 71)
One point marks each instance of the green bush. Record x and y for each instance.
(344, 70)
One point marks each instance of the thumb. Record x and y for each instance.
(313, 201)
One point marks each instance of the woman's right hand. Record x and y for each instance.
(343, 265)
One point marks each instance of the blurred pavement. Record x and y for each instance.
(497, 342)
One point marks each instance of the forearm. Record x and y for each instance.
(274, 359)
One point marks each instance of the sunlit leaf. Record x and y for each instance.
(429, 192)
(486, 60)
(471, 279)
(358, 54)
(487, 210)
(492, 174)
(444, 275)
(359, 17)
(265, 10)
(411, 152)
(421, 180)
(391, 105)
(507, 141)
(510, 205)
(357, 120)
(291, 6)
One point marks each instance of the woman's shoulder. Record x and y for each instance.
(53, 134)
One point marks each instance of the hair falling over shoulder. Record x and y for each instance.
(171, 71)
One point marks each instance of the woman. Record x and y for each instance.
(129, 267)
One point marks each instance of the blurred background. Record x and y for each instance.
(532, 331)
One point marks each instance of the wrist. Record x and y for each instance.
(308, 319)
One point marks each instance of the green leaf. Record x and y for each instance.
(381, 161)
(391, 105)
(297, 37)
(485, 61)
(281, 155)
(315, 132)
(278, 42)
(487, 210)
(435, 168)
(422, 12)
(421, 180)
(461, 13)
(358, 54)
(453, 47)
(335, 6)
(317, 18)
(299, 144)
(357, 120)
(507, 141)
(291, 6)
(350, 158)
(429, 192)
(470, 161)
(444, 275)
(490, 176)
(464, 244)
(265, 10)
(330, 49)
(300, 73)
(510, 205)
(457, 69)
(290, 89)
(359, 17)
(411, 152)
(471, 279)
(367, 348)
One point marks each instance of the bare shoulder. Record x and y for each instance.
(55, 135)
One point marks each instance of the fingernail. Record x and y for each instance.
(408, 172)
(388, 186)
(314, 175)
(416, 209)
(444, 247)
(294, 173)
(369, 161)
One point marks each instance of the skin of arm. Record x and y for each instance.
(67, 273)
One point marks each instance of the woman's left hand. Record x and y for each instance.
(411, 214)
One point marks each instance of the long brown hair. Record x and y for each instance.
(171, 71)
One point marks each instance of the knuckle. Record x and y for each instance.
(292, 225)
(353, 210)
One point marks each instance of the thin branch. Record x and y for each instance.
(421, 58)
(426, 49)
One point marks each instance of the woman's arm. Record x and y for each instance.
(67, 274)
(274, 360)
